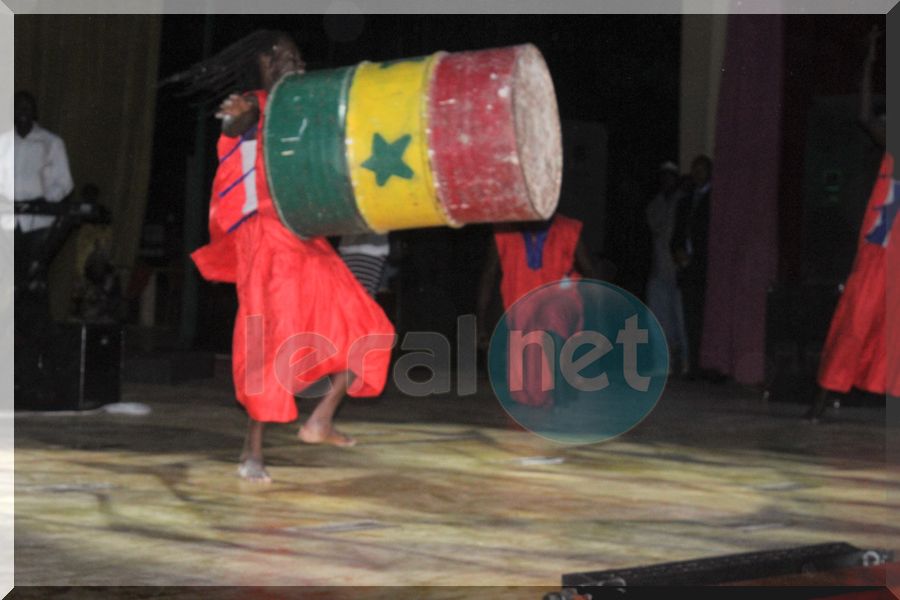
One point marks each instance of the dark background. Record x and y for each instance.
(620, 72)
(603, 72)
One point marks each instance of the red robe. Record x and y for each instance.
(302, 315)
(554, 309)
(856, 353)
(557, 260)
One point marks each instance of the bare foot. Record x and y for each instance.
(312, 434)
(252, 469)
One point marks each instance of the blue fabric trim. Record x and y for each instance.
(232, 186)
(241, 221)
(534, 248)
(882, 229)
(232, 151)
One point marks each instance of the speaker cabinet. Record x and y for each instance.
(80, 367)
(797, 321)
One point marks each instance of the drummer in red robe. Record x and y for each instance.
(530, 256)
(302, 315)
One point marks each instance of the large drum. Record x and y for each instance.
(447, 139)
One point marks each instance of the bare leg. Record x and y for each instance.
(251, 466)
(319, 428)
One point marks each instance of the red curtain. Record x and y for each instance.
(743, 241)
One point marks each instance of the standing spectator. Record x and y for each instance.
(41, 167)
(41, 172)
(690, 246)
(663, 293)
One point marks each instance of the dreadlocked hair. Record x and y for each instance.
(233, 69)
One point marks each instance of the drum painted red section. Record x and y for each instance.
(472, 138)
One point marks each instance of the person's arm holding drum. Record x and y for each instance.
(238, 114)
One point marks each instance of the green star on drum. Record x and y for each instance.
(387, 159)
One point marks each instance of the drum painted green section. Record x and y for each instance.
(306, 164)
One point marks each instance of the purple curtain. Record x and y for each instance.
(743, 240)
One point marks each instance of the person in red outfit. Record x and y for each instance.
(855, 353)
(530, 256)
(865, 322)
(302, 315)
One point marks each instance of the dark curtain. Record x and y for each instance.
(743, 244)
(94, 78)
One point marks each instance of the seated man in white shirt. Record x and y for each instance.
(41, 173)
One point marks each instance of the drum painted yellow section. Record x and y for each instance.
(387, 145)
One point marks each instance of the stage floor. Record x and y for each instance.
(439, 491)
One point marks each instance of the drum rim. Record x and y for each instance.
(356, 219)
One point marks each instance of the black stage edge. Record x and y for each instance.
(734, 568)
(726, 593)
(340, 592)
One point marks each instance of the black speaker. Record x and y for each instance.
(80, 369)
(797, 321)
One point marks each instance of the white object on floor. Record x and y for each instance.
(540, 460)
(137, 409)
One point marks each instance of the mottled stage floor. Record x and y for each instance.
(439, 491)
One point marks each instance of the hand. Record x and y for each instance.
(233, 107)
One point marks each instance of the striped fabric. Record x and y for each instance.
(365, 255)
(367, 270)
(235, 185)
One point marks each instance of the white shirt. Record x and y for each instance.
(41, 171)
(6, 180)
(661, 214)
